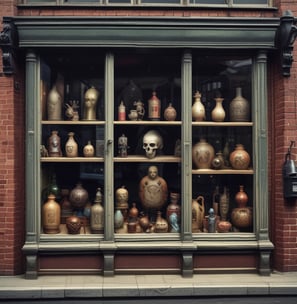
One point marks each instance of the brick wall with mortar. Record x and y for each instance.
(282, 129)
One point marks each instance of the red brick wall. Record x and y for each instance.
(282, 129)
(12, 201)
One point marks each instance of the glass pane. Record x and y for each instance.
(72, 105)
(221, 128)
(147, 166)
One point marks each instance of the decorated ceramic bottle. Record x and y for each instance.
(198, 109)
(239, 107)
(51, 216)
(71, 147)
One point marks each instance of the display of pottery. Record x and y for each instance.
(89, 150)
(218, 113)
(51, 216)
(154, 107)
(54, 104)
(198, 109)
(239, 158)
(152, 210)
(170, 113)
(239, 109)
(203, 154)
(71, 146)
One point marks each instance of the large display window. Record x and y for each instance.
(144, 156)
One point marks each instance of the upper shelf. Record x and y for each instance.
(70, 122)
(221, 124)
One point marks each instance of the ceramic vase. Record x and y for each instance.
(78, 197)
(54, 105)
(51, 216)
(154, 107)
(54, 145)
(173, 206)
(203, 154)
(71, 147)
(239, 158)
(122, 112)
(198, 109)
(118, 219)
(218, 161)
(239, 109)
(133, 212)
(73, 224)
(170, 113)
(97, 214)
(198, 213)
(144, 222)
(242, 216)
(89, 150)
(218, 113)
(224, 204)
(161, 225)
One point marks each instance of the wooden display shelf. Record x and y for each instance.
(221, 124)
(139, 158)
(72, 159)
(148, 122)
(70, 122)
(222, 171)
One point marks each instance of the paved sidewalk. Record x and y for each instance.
(158, 286)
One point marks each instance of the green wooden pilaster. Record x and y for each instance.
(32, 163)
(260, 160)
(186, 229)
(108, 245)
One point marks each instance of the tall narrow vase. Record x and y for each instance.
(198, 109)
(218, 113)
(239, 107)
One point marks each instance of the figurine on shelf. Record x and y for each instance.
(54, 145)
(72, 110)
(139, 109)
(153, 190)
(211, 221)
(123, 146)
(90, 103)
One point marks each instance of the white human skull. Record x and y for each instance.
(152, 141)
